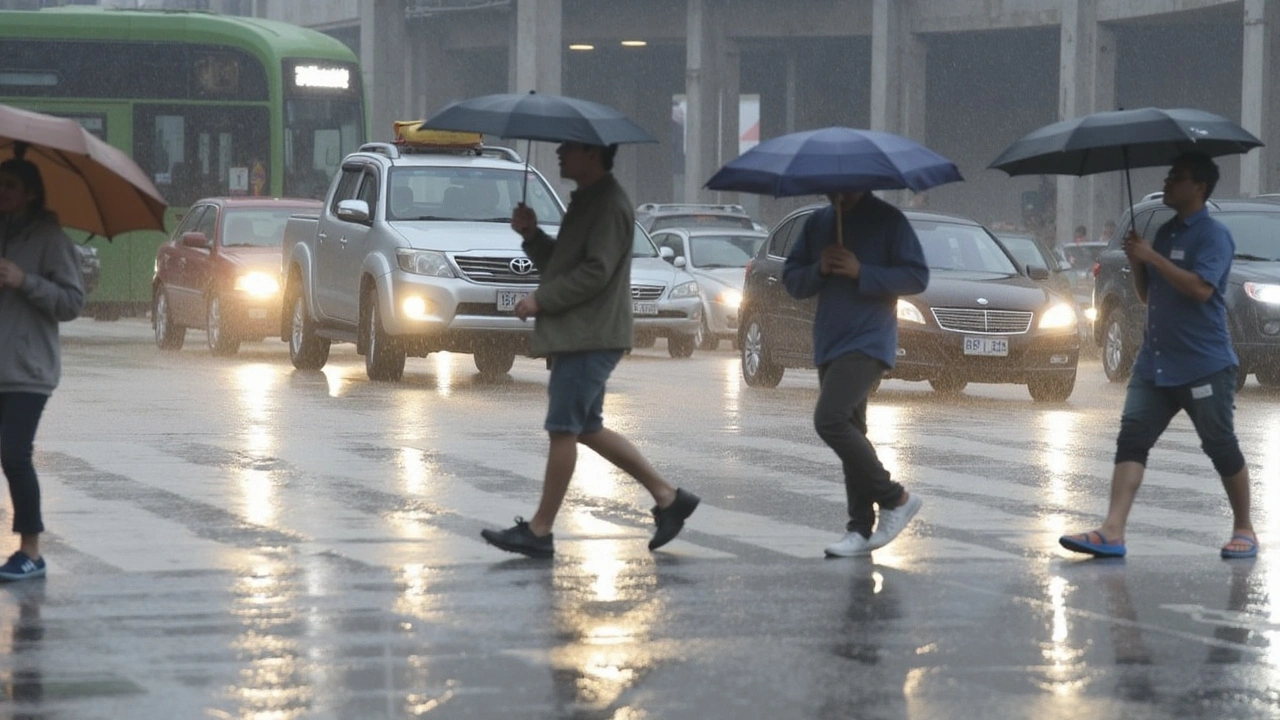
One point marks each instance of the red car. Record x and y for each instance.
(220, 272)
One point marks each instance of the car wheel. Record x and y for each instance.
(1268, 376)
(307, 351)
(705, 339)
(1117, 346)
(948, 384)
(494, 361)
(169, 335)
(757, 369)
(221, 340)
(1052, 388)
(383, 357)
(681, 346)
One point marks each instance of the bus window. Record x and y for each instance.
(192, 152)
(318, 133)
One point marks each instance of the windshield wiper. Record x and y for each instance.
(495, 219)
(1250, 256)
(425, 217)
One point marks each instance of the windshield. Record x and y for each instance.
(723, 251)
(641, 245)
(1023, 249)
(1083, 256)
(951, 246)
(1257, 234)
(466, 193)
(735, 222)
(318, 133)
(256, 227)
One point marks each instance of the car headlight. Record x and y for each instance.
(1059, 316)
(908, 312)
(424, 262)
(684, 290)
(1091, 314)
(258, 284)
(729, 298)
(1269, 294)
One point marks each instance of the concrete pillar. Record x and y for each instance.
(730, 98)
(384, 63)
(439, 79)
(898, 78)
(1086, 84)
(702, 92)
(537, 64)
(1258, 97)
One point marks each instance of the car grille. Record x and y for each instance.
(646, 292)
(996, 322)
(493, 270)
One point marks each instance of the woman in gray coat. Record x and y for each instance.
(40, 286)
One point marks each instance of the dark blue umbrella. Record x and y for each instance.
(533, 116)
(834, 159)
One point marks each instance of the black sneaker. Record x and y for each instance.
(520, 539)
(670, 520)
(20, 566)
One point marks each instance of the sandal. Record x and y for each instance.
(1093, 543)
(1250, 543)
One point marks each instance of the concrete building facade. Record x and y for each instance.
(966, 77)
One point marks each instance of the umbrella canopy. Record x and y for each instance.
(834, 159)
(91, 185)
(533, 116)
(1123, 139)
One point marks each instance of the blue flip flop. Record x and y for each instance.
(1081, 544)
(1251, 552)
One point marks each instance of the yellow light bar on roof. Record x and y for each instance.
(411, 132)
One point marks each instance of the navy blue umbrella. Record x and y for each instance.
(834, 159)
(534, 116)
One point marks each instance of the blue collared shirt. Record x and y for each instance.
(858, 315)
(1188, 340)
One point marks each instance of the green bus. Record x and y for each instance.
(207, 105)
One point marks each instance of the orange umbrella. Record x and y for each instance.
(91, 185)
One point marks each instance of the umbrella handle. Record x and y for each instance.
(835, 205)
(1127, 181)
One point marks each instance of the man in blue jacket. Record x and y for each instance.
(855, 339)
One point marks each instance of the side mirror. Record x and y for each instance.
(1037, 272)
(195, 240)
(679, 262)
(667, 253)
(353, 211)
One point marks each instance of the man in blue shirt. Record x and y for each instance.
(1186, 361)
(855, 339)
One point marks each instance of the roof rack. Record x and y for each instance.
(395, 151)
(663, 207)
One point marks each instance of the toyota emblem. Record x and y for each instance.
(521, 265)
(982, 301)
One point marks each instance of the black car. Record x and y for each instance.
(982, 318)
(1253, 288)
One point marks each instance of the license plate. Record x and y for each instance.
(644, 308)
(257, 314)
(507, 299)
(991, 346)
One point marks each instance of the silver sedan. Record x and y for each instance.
(717, 258)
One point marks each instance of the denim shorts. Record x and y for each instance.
(1208, 402)
(576, 390)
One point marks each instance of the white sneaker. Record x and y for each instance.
(853, 544)
(894, 521)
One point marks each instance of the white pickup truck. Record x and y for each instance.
(413, 253)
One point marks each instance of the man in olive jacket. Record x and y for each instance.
(583, 326)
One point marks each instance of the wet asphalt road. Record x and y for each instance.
(229, 538)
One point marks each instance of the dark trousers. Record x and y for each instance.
(841, 421)
(19, 416)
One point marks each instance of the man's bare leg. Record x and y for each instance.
(1125, 481)
(30, 544)
(618, 450)
(1237, 487)
(562, 458)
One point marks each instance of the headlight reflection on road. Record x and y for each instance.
(884, 429)
(444, 363)
(275, 682)
(732, 373)
(256, 392)
(1064, 668)
(1057, 433)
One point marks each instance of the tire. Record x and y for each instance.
(1118, 347)
(948, 384)
(494, 361)
(758, 370)
(1051, 389)
(681, 346)
(1268, 376)
(222, 342)
(169, 335)
(307, 351)
(383, 357)
(705, 339)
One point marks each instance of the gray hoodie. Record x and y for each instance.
(52, 292)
